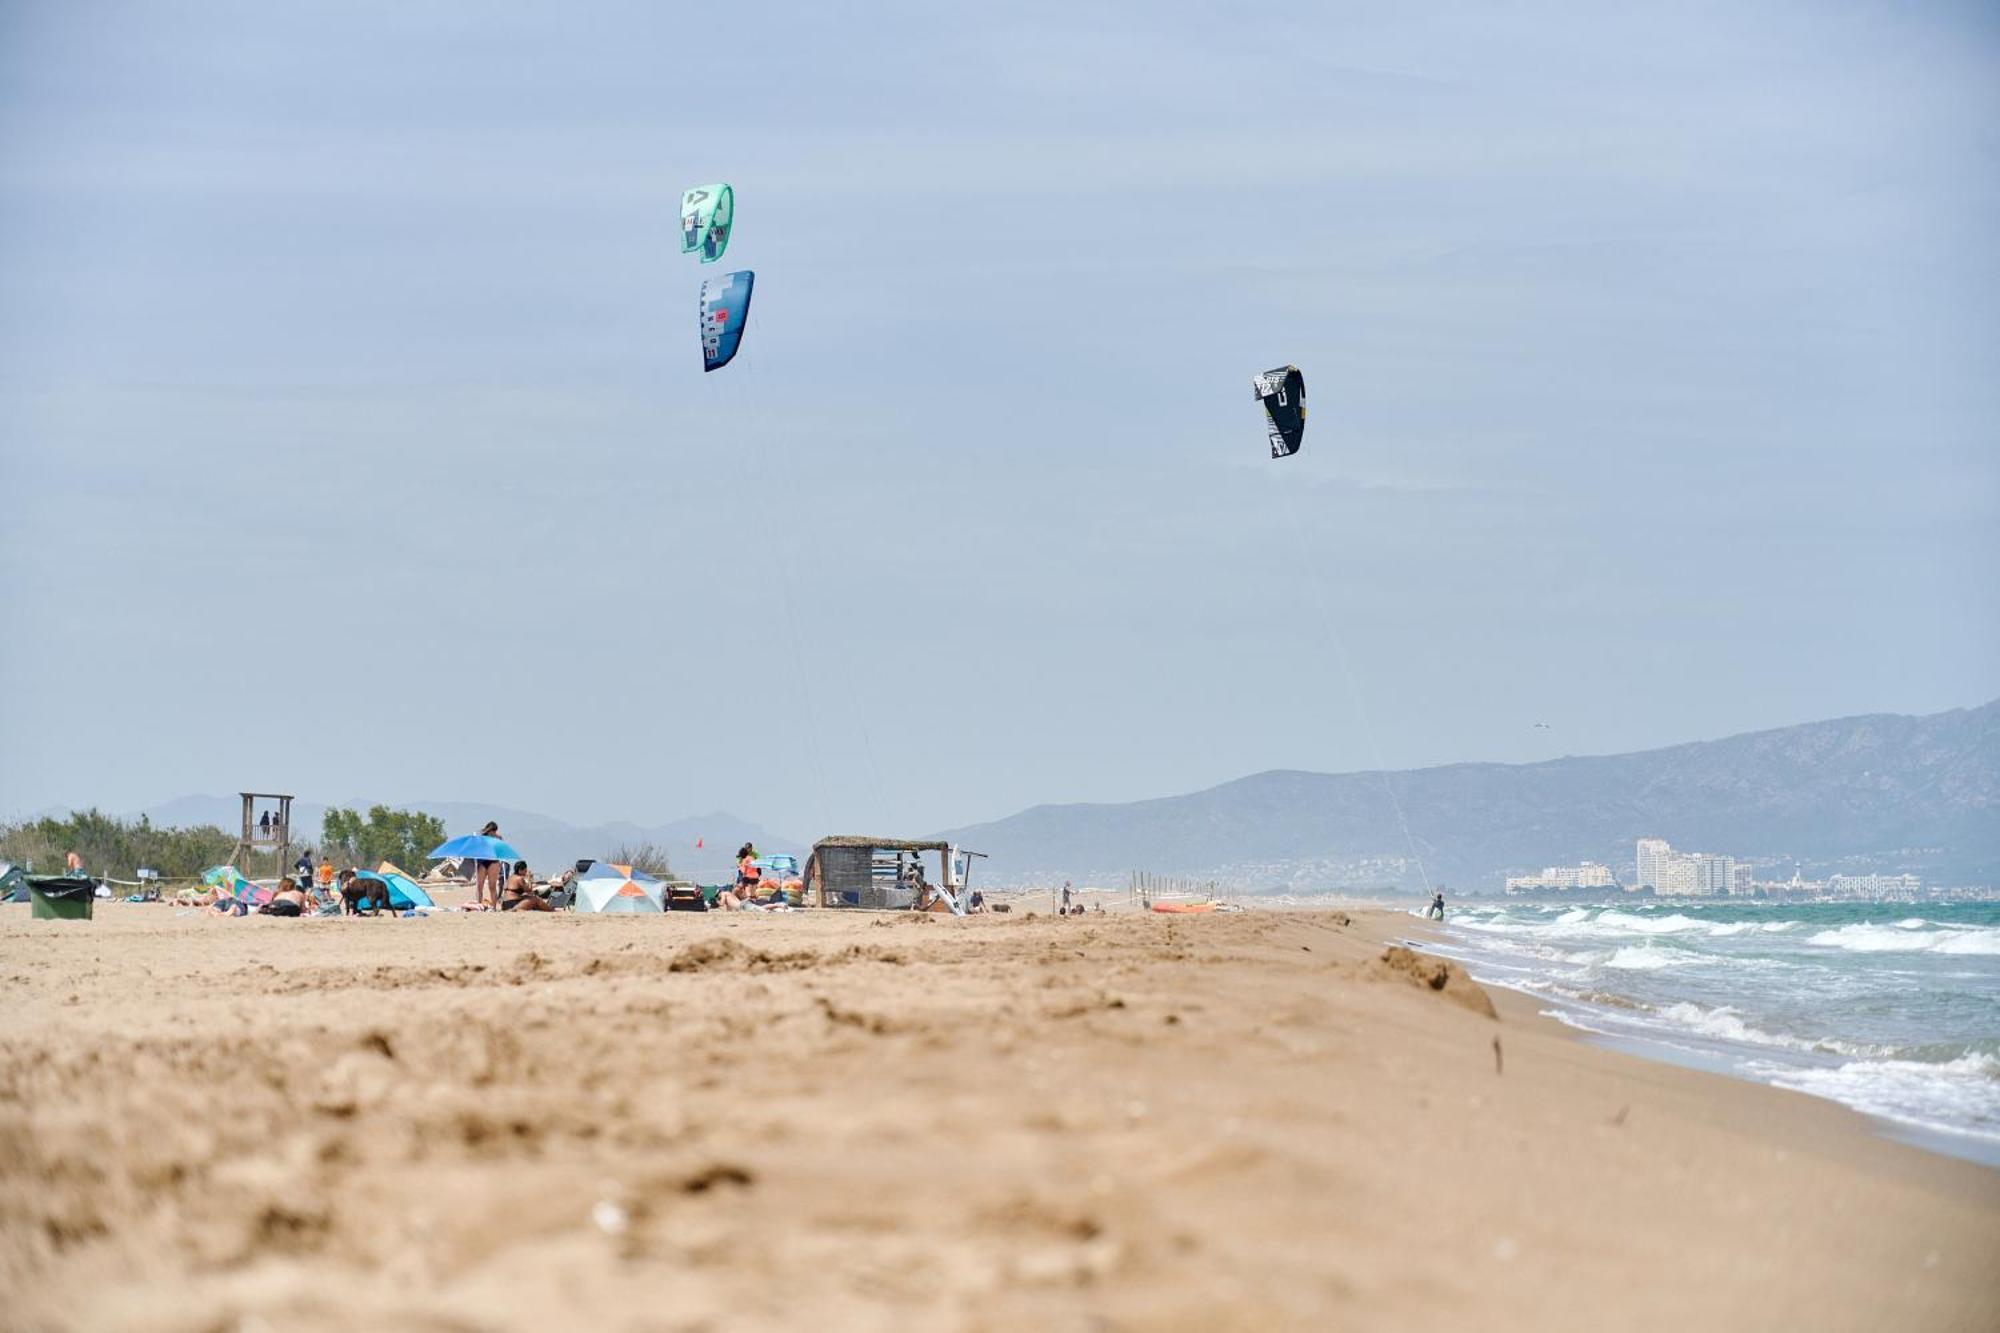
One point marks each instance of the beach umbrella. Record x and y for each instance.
(609, 888)
(477, 846)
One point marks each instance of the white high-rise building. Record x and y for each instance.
(1675, 874)
(1653, 852)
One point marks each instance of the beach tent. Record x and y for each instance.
(604, 887)
(13, 884)
(404, 892)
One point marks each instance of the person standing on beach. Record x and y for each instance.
(486, 874)
(1066, 898)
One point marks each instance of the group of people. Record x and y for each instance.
(350, 892)
(750, 892)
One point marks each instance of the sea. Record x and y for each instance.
(1892, 1009)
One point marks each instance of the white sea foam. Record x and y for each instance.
(1727, 1024)
(1962, 1095)
(1645, 958)
(1613, 919)
(1868, 938)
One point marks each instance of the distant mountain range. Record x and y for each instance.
(1896, 794)
(546, 843)
(1885, 793)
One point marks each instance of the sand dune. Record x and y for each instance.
(1246, 1121)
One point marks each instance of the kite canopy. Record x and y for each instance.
(706, 214)
(608, 888)
(1283, 393)
(725, 305)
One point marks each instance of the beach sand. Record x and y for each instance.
(1243, 1121)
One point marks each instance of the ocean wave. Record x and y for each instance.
(1610, 924)
(1866, 937)
(1727, 1024)
(1613, 919)
(1961, 1095)
(1645, 958)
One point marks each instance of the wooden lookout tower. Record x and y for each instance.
(265, 829)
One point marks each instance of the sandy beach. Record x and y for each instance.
(862, 1121)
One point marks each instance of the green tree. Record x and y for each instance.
(648, 857)
(112, 847)
(402, 836)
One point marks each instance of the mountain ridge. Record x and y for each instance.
(1872, 791)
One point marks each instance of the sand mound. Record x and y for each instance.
(1446, 978)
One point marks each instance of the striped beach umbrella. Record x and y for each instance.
(608, 888)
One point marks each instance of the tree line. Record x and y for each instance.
(115, 848)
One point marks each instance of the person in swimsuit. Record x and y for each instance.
(519, 894)
(486, 874)
(289, 900)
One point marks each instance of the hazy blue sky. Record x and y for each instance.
(354, 438)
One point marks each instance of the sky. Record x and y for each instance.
(354, 439)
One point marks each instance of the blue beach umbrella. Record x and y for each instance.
(477, 846)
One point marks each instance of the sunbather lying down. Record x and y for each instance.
(735, 900)
(289, 900)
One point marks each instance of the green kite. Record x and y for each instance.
(706, 212)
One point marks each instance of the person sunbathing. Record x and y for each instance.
(289, 900)
(518, 894)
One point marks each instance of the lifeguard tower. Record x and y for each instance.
(265, 829)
